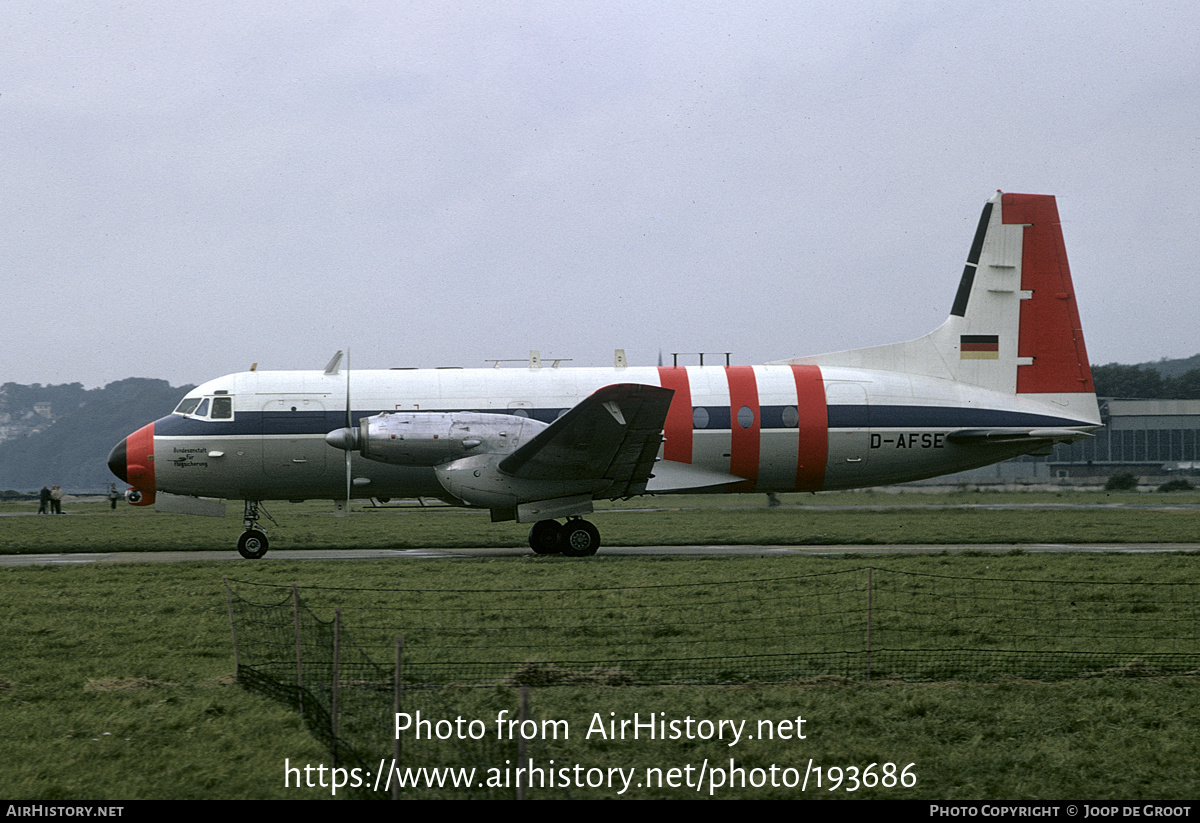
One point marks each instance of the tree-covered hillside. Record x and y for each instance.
(71, 448)
(1115, 380)
(1173, 368)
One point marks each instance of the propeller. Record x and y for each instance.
(350, 433)
(346, 438)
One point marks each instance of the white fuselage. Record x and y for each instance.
(777, 428)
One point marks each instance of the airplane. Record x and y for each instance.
(1006, 374)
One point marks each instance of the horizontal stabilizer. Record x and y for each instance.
(1006, 437)
(612, 435)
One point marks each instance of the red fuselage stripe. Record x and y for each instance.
(678, 428)
(745, 428)
(814, 428)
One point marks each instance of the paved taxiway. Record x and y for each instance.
(660, 551)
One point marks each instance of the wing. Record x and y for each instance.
(613, 435)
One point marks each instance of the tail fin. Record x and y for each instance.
(1014, 326)
(1016, 303)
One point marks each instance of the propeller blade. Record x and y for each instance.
(350, 430)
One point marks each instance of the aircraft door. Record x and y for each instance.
(294, 447)
(849, 433)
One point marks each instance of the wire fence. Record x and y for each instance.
(861, 624)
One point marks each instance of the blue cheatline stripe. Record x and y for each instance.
(939, 417)
(772, 417)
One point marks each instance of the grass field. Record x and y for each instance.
(839, 518)
(115, 682)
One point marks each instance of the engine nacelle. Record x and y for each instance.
(478, 481)
(434, 438)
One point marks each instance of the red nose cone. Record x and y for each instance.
(132, 460)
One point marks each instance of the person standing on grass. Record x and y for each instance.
(44, 498)
(56, 494)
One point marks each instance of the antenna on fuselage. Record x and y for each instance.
(331, 368)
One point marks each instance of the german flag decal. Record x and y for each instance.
(979, 347)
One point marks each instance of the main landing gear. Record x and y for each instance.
(575, 538)
(253, 543)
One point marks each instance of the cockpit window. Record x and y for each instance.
(212, 408)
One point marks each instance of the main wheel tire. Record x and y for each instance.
(580, 539)
(252, 544)
(545, 537)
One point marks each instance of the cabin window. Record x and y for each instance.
(745, 417)
(222, 408)
(699, 418)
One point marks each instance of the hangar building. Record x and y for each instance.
(1151, 438)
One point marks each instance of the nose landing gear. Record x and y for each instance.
(253, 543)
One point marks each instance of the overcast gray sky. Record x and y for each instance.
(189, 188)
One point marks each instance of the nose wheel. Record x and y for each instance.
(253, 543)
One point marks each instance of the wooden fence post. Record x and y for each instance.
(522, 753)
(870, 590)
(333, 687)
(232, 627)
(299, 664)
(397, 694)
